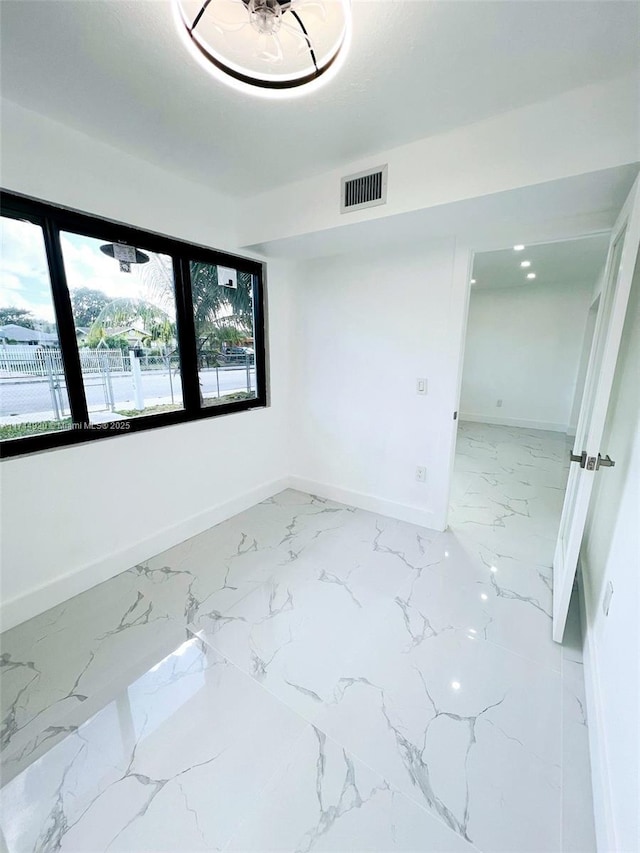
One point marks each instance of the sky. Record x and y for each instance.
(24, 277)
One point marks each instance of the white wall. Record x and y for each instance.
(52, 162)
(611, 553)
(367, 325)
(523, 347)
(68, 519)
(585, 130)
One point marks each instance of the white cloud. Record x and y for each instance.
(24, 275)
(87, 266)
(9, 282)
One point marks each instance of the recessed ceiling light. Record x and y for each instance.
(525, 263)
(518, 248)
(456, 685)
(531, 275)
(473, 281)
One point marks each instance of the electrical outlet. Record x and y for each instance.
(499, 404)
(421, 386)
(421, 474)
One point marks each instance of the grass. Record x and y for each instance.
(150, 410)
(9, 431)
(168, 407)
(229, 398)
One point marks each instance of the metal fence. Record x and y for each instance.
(32, 381)
(40, 361)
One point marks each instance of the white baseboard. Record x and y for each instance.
(36, 601)
(514, 422)
(602, 798)
(372, 503)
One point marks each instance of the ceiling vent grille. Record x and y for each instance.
(366, 189)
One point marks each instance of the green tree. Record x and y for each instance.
(87, 304)
(98, 337)
(16, 316)
(218, 310)
(214, 304)
(214, 334)
(154, 324)
(221, 314)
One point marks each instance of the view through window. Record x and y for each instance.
(107, 329)
(225, 335)
(125, 323)
(33, 388)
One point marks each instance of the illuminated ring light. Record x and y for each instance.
(272, 47)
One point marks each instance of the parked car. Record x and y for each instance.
(238, 355)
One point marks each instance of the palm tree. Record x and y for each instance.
(156, 323)
(210, 300)
(220, 313)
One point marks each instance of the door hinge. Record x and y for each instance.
(582, 458)
(455, 416)
(591, 463)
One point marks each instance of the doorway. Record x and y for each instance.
(531, 320)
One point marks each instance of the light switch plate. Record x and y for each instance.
(421, 386)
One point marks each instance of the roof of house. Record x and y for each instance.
(126, 330)
(13, 332)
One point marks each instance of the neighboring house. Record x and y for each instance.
(137, 337)
(14, 334)
(134, 337)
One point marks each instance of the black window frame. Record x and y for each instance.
(55, 219)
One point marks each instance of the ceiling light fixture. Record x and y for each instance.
(473, 281)
(525, 263)
(531, 275)
(267, 47)
(518, 248)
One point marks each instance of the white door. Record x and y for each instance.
(621, 260)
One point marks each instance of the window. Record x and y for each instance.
(125, 324)
(106, 329)
(225, 333)
(33, 388)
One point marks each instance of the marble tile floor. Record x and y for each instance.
(308, 676)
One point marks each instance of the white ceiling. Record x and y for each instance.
(572, 262)
(116, 70)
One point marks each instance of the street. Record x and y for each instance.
(27, 396)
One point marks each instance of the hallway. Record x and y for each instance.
(309, 676)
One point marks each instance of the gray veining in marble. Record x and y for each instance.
(309, 676)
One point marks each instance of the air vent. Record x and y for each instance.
(366, 189)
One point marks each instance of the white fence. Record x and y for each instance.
(16, 361)
(100, 360)
(44, 361)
